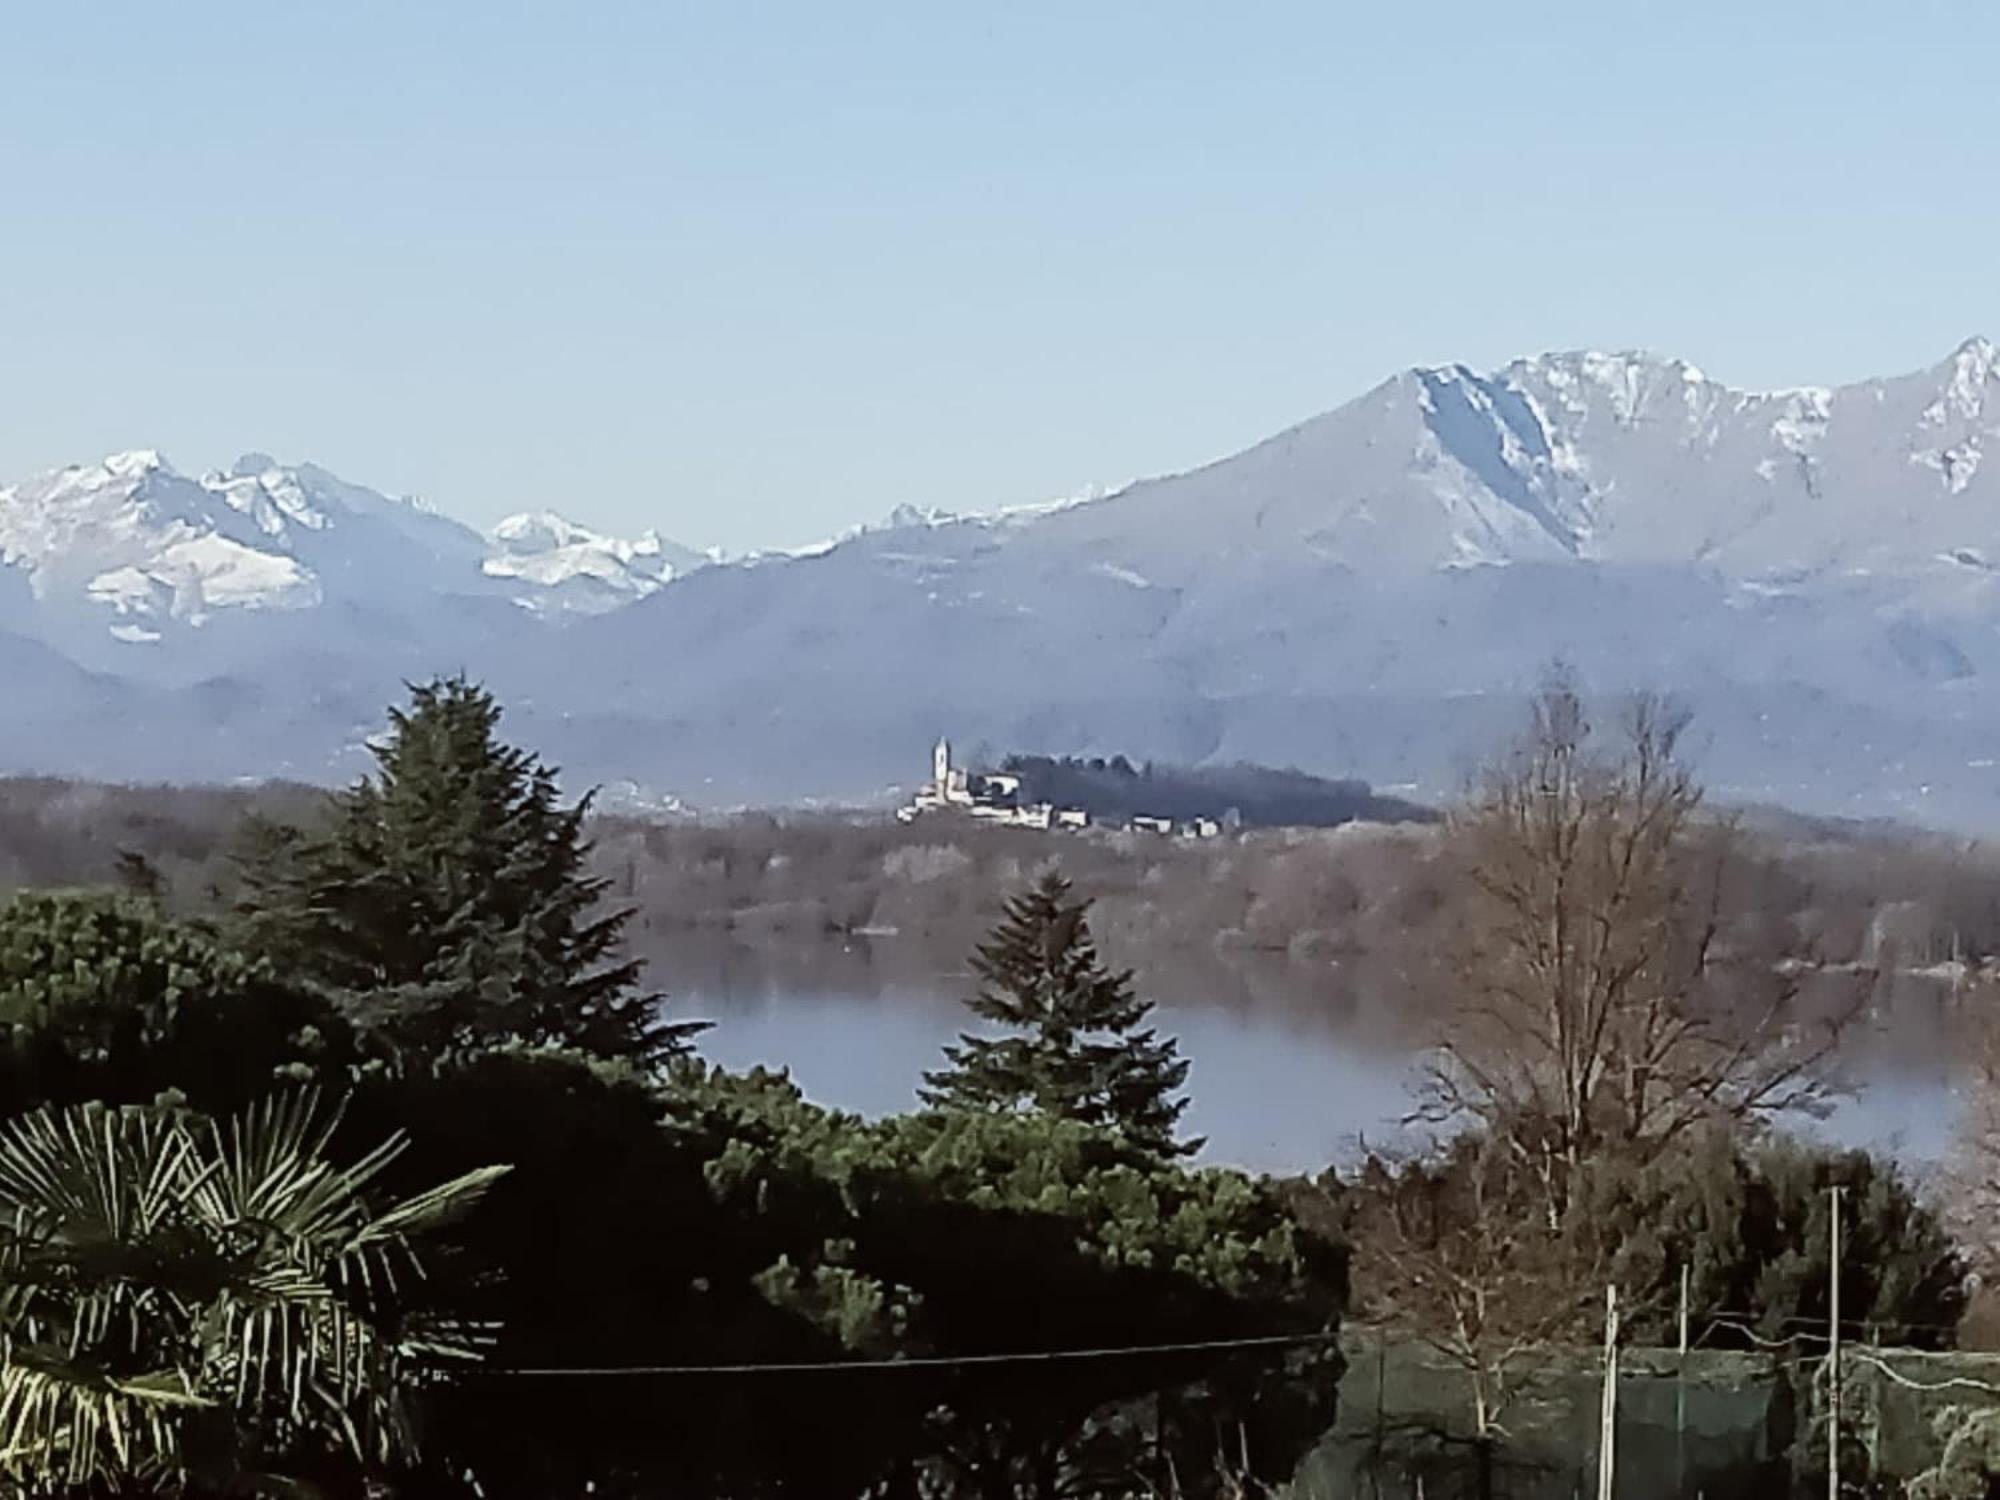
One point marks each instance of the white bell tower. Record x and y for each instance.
(941, 766)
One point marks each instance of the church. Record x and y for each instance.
(989, 796)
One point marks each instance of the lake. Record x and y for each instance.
(1290, 1071)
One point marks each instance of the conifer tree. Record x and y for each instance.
(1078, 1048)
(447, 903)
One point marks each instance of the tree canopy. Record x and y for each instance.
(793, 1235)
(105, 997)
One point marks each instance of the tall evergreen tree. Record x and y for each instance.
(1078, 1048)
(447, 904)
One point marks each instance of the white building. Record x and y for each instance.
(949, 786)
(957, 788)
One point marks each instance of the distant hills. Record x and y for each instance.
(1366, 595)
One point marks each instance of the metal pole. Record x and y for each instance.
(1608, 1421)
(1833, 1355)
(1680, 1392)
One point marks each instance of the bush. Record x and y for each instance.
(724, 1220)
(104, 997)
(1753, 1226)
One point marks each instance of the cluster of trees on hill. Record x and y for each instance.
(1249, 796)
(382, 1167)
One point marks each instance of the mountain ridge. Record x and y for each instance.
(1368, 592)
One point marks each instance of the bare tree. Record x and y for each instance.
(1589, 1004)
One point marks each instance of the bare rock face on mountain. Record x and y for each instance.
(1368, 593)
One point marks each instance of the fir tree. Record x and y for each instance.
(1078, 1049)
(447, 902)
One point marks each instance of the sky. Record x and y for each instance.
(751, 273)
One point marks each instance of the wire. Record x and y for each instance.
(1956, 1383)
(1751, 1334)
(922, 1362)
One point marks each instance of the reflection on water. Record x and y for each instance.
(1290, 1070)
(1910, 1112)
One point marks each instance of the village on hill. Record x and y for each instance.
(998, 797)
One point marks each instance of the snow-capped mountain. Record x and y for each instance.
(146, 544)
(570, 568)
(1369, 592)
(1618, 458)
(134, 549)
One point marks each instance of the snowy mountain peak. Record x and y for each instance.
(578, 570)
(908, 515)
(132, 538)
(139, 461)
(1616, 457)
(1970, 371)
(543, 529)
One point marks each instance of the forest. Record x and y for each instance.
(1252, 796)
(345, 1147)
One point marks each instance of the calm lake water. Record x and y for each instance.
(1285, 1077)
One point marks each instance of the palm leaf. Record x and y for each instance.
(154, 1270)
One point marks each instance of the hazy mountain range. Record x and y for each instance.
(1368, 593)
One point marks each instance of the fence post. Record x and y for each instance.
(1875, 1403)
(1607, 1435)
(1680, 1391)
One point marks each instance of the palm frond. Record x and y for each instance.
(155, 1271)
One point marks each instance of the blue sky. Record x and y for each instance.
(752, 272)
